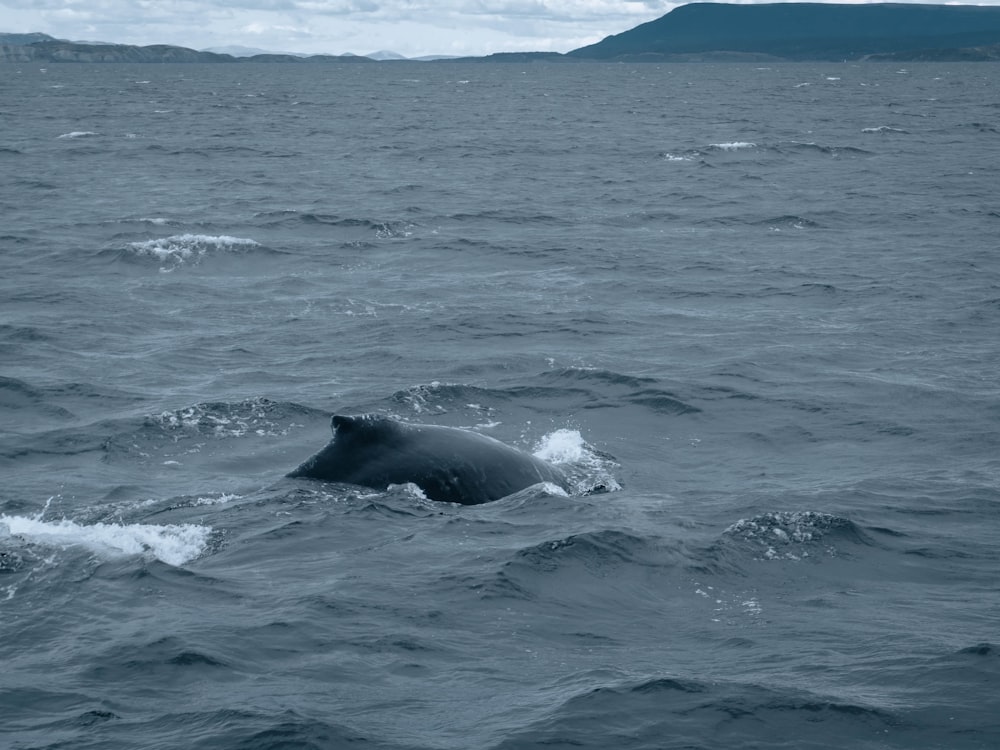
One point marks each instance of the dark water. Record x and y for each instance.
(764, 303)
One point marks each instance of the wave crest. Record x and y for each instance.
(178, 249)
(791, 535)
(172, 544)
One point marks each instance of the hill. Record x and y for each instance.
(43, 48)
(806, 31)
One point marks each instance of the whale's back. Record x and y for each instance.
(446, 463)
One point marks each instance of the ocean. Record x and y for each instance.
(755, 309)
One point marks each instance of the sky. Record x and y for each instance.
(408, 27)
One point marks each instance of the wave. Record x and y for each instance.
(16, 395)
(882, 129)
(293, 731)
(31, 183)
(440, 398)
(86, 392)
(71, 441)
(981, 649)
(224, 419)
(979, 127)
(169, 433)
(78, 134)
(220, 420)
(790, 221)
(821, 150)
(508, 216)
(795, 535)
(731, 146)
(784, 148)
(214, 151)
(179, 249)
(567, 568)
(382, 229)
(596, 551)
(172, 544)
(572, 388)
(699, 713)
(612, 389)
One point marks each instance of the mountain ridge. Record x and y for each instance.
(696, 32)
(802, 31)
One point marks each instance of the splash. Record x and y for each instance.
(172, 544)
(562, 447)
(181, 248)
(786, 535)
(734, 146)
(882, 129)
(258, 416)
(589, 469)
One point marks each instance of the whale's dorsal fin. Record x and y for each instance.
(362, 424)
(342, 423)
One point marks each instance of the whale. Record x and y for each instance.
(447, 463)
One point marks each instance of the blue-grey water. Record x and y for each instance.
(761, 305)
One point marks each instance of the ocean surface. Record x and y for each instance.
(759, 305)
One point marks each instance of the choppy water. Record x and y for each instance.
(764, 302)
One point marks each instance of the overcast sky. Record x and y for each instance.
(409, 27)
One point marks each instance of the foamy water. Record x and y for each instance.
(172, 544)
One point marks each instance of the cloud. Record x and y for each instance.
(409, 26)
(335, 7)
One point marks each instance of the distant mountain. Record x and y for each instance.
(512, 57)
(384, 54)
(388, 55)
(805, 31)
(18, 40)
(237, 50)
(54, 50)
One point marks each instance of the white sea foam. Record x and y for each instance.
(235, 420)
(223, 498)
(78, 134)
(172, 544)
(553, 489)
(674, 157)
(409, 488)
(419, 397)
(786, 535)
(590, 470)
(180, 248)
(882, 129)
(734, 145)
(562, 447)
